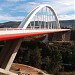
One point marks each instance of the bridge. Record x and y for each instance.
(41, 20)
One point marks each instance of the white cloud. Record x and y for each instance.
(33, 3)
(66, 17)
(66, 2)
(15, 0)
(62, 7)
(11, 18)
(25, 7)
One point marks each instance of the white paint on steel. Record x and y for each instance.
(28, 19)
(4, 32)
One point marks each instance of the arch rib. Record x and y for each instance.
(28, 19)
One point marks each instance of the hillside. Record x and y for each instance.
(67, 23)
(14, 24)
(9, 24)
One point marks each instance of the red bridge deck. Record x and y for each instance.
(10, 33)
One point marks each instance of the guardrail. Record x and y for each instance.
(12, 29)
(28, 28)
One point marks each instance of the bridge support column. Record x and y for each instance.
(45, 39)
(66, 36)
(63, 36)
(9, 52)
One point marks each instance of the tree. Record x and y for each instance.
(35, 57)
(54, 59)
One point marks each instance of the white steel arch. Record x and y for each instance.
(28, 19)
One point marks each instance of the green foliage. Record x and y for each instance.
(49, 57)
(54, 59)
(35, 57)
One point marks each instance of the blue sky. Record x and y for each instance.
(16, 10)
